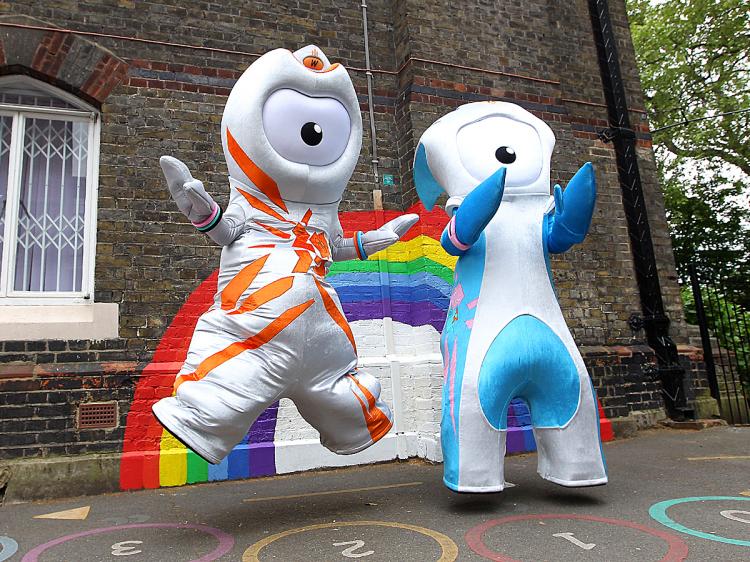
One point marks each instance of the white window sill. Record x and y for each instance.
(90, 321)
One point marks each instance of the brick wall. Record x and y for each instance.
(429, 56)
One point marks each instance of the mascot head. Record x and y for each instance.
(466, 146)
(292, 127)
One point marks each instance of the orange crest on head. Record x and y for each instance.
(313, 62)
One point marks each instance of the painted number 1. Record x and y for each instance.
(575, 541)
(122, 548)
(349, 552)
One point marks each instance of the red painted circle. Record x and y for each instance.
(677, 552)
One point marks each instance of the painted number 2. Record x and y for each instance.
(349, 552)
(122, 548)
(575, 541)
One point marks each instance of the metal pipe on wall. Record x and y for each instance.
(368, 73)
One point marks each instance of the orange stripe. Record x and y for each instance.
(336, 314)
(275, 231)
(260, 205)
(378, 423)
(260, 179)
(240, 282)
(253, 342)
(303, 263)
(319, 241)
(265, 294)
(263, 246)
(307, 217)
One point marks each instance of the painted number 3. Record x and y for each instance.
(122, 548)
(349, 552)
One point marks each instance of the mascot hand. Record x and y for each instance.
(478, 208)
(376, 240)
(574, 209)
(187, 192)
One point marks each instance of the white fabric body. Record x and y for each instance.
(276, 328)
(516, 283)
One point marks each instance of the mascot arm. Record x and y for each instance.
(198, 206)
(574, 209)
(474, 214)
(364, 244)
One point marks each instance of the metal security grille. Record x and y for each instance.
(97, 415)
(48, 155)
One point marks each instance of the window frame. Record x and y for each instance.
(84, 113)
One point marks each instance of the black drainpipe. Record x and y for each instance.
(622, 136)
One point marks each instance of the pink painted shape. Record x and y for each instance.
(470, 323)
(457, 296)
(472, 304)
(226, 542)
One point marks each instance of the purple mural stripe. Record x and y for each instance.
(411, 313)
(263, 459)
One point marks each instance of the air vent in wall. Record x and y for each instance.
(97, 415)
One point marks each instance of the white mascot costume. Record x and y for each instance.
(291, 133)
(505, 336)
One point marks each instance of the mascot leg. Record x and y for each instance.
(346, 410)
(219, 393)
(571, 455)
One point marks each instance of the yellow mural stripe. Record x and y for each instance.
(172, 461)
(420, 246)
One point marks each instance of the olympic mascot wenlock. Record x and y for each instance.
(291, 132)
(505, 336)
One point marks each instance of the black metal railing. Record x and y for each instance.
(725, 337)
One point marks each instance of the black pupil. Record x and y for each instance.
(505, 154)
(311, 133)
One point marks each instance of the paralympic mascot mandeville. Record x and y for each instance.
(505, 335)
(291, 132)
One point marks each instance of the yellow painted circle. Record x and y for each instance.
(449, 548)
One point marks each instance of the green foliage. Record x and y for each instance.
(693, 56)
(728, 325)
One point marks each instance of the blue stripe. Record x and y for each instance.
(372, 279)
(359, 293)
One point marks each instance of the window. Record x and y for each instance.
(48, 172)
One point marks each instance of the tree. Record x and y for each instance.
(694, 61)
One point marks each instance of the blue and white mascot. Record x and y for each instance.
(505, 336)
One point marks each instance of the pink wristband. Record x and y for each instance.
(209, 219)
(452, 236)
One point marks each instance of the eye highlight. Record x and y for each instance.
(305, 129)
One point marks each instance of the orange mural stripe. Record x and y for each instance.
(239, 284)
(260, 205)
(336, 314)
(253, 342)
(378, 423)
(275, 231)
(303, 263)
(262, 181)
(265, 294)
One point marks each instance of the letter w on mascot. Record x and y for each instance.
(291, 132)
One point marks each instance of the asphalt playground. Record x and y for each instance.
(673, 495)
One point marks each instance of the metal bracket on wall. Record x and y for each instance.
(620, 133)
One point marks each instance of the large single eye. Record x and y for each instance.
(304, 129)
(487, 144)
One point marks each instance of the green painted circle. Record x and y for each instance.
(658, 511)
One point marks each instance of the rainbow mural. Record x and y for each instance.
(409, 282)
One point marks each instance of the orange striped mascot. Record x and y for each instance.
(291, 132)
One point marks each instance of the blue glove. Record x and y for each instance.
(474, 214)
(574, 209)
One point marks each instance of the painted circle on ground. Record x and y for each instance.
(226, 542)
(677, 548)
(658, 512)
(9, 548)
(449, 549)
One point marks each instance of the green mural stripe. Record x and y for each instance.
(197, 468)
(399, 268)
